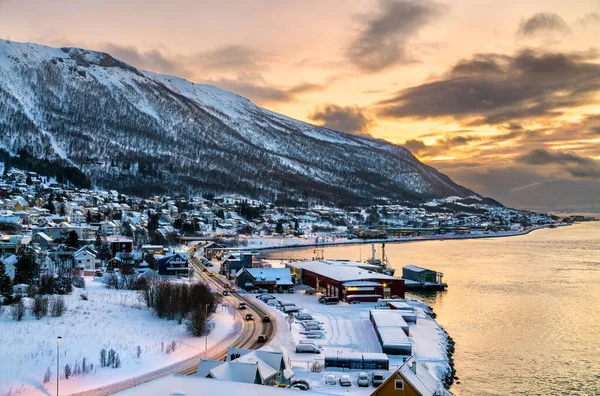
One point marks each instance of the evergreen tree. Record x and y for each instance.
(279, 228)
(50, 204)
(88, 217)
(98, 243)
(26, 266)
(5, 282)
(73, 239)
(28, 180)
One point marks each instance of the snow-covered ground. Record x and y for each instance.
(108, 319)
(347, 328)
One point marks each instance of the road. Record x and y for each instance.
(248, 338)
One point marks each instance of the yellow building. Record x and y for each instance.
(411, 379)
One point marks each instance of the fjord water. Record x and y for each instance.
(524, 311)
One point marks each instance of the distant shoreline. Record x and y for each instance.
(405, 239)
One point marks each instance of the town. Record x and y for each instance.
(72, 237)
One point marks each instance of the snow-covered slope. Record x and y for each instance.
(146, 133)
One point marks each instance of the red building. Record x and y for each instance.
(347, 281)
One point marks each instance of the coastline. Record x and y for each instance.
(397, 239)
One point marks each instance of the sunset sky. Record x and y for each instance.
(503, 96)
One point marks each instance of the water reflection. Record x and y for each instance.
(524, 311)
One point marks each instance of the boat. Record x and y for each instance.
(383, 262)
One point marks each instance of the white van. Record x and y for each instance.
(307, 348)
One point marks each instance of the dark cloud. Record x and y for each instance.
(257, 89)
(233, 58)
(241, 61)
(523, 187)
(443, 145)
(500, 89)
(543, 22)
(545, 157)
(351, 119)
(575, 165)
(415, 146)
(152, 60)
(382, 41)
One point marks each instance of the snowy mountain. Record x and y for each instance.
(144, 133)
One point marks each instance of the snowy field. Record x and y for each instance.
(108, 319)
(347, 328)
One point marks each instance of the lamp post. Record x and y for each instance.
(57, 362)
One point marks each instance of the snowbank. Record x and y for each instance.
(108, 319)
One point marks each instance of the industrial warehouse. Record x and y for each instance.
(346, 280)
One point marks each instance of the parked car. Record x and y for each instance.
(345, 381)
(309, 342)
(262, 338)
(363, 379)
(266, 319)
(300, 384)
(328, 300)
(310, 291)
(307, 348)
(291, 291)
(249, 317)
(242, 305)
(312, 326)
(377, 378)
(304, 316)
(330, 380)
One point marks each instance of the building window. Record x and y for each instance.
(399, 385)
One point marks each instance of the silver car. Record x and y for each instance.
(345, 380)
(363, 379)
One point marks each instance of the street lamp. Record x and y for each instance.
(206, 335)
(57, 362)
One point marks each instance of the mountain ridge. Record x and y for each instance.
(144, 132)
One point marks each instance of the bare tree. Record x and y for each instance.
(18, 310)
(57, 306)
(39, 307)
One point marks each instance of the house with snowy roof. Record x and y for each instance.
(262, 367)
(264, 278)
(86, 259)
(412, 378)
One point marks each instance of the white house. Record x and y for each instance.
(77, 217)
(108, 228)
(86, 259)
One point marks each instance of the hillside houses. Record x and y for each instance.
(69, 225)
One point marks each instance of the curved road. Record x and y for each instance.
(248, 337)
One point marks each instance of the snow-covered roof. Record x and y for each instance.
(418, 376)
(281, 276)
(235, 371)
(339, 271)
(206, 365)
(415, 268)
